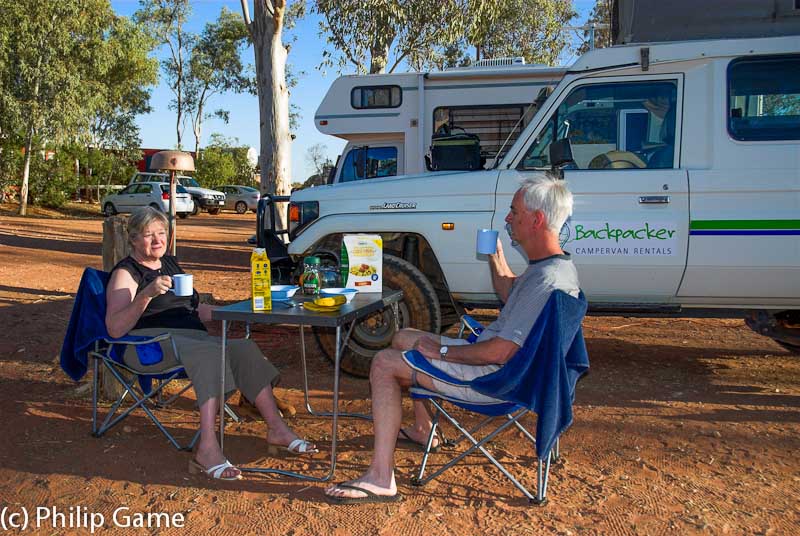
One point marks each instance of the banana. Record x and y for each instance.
(330, 301)
(311, 306)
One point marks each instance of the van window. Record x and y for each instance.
(376, 97)
(369, 163)
(764, 98)
(613, 126)
(492, 124)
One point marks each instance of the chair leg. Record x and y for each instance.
(542, 476)
(140, 400)
(94, 396)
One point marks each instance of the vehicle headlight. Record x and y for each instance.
(301, 215)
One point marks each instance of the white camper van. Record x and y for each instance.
(379, 114)
(684, 160)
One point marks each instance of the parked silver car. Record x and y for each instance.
(241, 198)
(154, 194)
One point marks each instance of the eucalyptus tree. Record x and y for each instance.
(216, 67)
(50, 57)
(266, 27)
(381, 35)
(165, 20)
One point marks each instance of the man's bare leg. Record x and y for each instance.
(403, 340)
(388, 375)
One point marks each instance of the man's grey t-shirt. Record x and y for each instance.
(528, 296)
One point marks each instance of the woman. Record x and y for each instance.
(138, 302)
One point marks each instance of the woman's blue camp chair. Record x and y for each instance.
(540, 377)
(87, 338)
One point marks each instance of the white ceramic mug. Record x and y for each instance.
(182, 284)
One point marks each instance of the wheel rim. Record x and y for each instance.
(109, 209)
(241, 208)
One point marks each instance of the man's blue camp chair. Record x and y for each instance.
(540, 377)
(87, 338)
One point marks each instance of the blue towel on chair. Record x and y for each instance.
(87, 324)
(542, 375)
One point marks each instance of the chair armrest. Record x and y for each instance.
(470, 325)
(136, 340)
(148, 349)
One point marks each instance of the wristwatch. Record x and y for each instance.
(443, 353)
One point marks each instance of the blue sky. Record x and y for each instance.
(157, 129)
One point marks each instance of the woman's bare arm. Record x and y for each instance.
(123, 306)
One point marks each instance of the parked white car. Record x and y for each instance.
(241, 198)
(204, 198)
(154, 194)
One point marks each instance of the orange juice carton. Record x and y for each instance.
(261, 278)
(362, 262)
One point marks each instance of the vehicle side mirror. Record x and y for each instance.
(561, 154)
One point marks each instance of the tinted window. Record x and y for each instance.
(129, 190)
(492, 124)
(369, 163)
(613, 126)
(178, 189)
(376, 97)
(143, 189)
(764, 98)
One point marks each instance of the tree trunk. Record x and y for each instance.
(115, 248)
(273, 101)
(26, 172)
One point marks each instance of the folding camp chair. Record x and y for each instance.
(87, 338)
(540, 377)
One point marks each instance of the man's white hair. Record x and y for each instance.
(550, 195)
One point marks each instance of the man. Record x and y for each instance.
(538, 211)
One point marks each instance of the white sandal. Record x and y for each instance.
(214, 472)
(297, 447)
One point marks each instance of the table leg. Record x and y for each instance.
(222, 388)
(337, 358)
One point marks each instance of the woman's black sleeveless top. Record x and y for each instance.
(167, 311)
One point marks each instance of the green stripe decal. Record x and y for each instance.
(697, 225)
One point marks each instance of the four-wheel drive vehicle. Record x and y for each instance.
(204, 198)
(684, 162)
(154, 194)
(241, 198)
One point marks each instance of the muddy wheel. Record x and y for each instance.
(213, 211)
(419, 309)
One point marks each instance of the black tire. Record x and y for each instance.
(213, 211)
(109, 209)
(183, 215)
(241, 207)
(419, 309)
(157, 207)
(196, 209)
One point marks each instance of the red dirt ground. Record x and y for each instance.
(683, 426)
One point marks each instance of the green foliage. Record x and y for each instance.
(601, 14)
(72, 74)
(164, 20)
(216, 67)
(223, 162)
(378, 36)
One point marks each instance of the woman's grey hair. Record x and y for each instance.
(550, 195)
(141, 218)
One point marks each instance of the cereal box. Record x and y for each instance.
(362, 262)
(261, 280)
